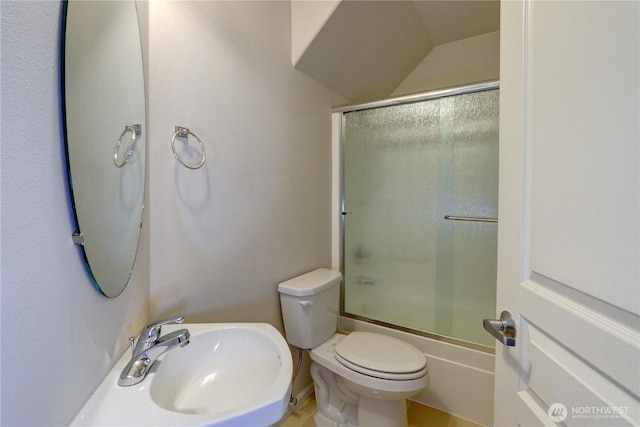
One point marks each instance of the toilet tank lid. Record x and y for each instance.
(310, 283)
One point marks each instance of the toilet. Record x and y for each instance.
(360, 379)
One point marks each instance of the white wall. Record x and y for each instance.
(59, 335)
(258, 211)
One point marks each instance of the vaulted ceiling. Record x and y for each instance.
(364, 49)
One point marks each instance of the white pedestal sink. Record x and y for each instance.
(230, 374)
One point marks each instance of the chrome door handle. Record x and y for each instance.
(504, 329)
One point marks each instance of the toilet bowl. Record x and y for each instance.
(360, 379)
(379, 400)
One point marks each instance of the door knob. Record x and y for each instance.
(504, 329)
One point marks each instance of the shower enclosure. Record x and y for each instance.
(420, 198)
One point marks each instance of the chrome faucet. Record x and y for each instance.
(149, 347)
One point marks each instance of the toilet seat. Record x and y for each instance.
(381, 356)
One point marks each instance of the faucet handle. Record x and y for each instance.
(151, 332)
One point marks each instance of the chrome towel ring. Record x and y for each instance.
(136, 131)
(182, 132)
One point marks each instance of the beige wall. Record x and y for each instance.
(258, 212)
(307, 20)
(465, 61)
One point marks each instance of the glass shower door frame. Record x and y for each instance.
(432, 95)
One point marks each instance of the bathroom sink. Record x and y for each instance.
(230, 374)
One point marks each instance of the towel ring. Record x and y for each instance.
(184, 133)
(135, 130)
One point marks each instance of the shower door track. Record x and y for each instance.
(424, 96)
(418, 332)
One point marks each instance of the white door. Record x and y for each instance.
(569, 232)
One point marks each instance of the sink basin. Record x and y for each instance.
(230, 374)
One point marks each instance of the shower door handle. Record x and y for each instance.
(504, 328)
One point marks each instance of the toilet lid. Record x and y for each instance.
(380, 356)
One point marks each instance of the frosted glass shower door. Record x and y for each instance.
(406, 167)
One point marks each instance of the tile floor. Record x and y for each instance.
(418, 416)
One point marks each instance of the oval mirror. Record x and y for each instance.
(104, 110)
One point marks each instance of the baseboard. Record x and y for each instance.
(299, 398)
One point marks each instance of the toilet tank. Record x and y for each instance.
(310, 305)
